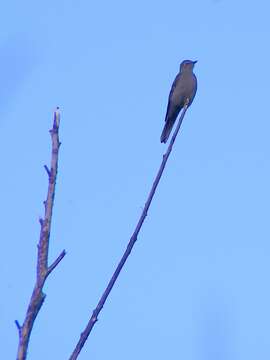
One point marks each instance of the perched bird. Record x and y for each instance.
(183, 89)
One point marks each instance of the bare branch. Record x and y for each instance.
(18, 326)
(43, 270)
(133, 239)
(47, 170)
(56, 262)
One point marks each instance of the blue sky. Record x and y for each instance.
(197, 284)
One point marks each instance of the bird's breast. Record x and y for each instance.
(185, 88)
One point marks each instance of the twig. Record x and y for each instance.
(18, 326)
(43, 270)
(56, 262)
(94, 317)
(47, 170)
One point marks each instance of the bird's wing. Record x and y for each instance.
(170, 95)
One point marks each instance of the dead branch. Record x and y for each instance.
(43, 270)
(94, 317)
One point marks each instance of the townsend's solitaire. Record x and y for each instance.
(183, 89)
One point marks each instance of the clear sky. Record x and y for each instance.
(197, 284)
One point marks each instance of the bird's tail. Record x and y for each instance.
(166, 131)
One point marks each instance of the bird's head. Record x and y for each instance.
(187, 65)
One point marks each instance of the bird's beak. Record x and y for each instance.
(194, 62)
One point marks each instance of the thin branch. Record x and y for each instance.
(94, 317)
(18, 326)
(47, 170)
(43, 270)
(56, 262)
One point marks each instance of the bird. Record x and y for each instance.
(182, 92)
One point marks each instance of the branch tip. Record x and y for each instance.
(56, 119)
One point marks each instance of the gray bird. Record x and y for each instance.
(183, 88)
